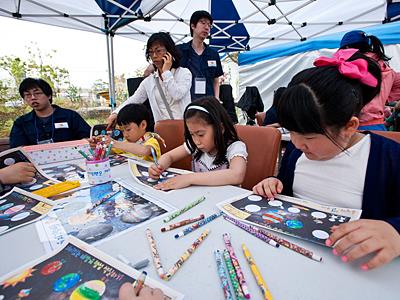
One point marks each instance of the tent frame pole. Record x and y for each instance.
(110, 61)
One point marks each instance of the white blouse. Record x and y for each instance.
(176, 87)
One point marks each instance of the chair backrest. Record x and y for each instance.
(263, 144)
(172, 131)
(393, 135)
(4, 144)
(260, 118)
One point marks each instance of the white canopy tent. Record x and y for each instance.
(238, 24)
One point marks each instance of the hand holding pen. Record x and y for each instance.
(155, 171)
(127, 292)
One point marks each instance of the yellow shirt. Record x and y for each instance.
(147, 140)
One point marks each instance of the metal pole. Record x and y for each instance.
(110, 74)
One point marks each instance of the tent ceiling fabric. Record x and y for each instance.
(256, 23)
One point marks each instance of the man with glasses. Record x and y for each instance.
(46, 123)
(200, 59)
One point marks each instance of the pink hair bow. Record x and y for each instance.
(356, 69)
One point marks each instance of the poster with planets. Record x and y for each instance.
(300, 218)
(73, 170)
(139, 171)
(19, 208)
(76, 271)
(16, 155)
(97, 213)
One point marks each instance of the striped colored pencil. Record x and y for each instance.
(182, 210)
(197, 225)
(232, 275)
(182, 223)
(222, 275)
(154, 253)
(291, 246)
(257, 274)
(252, 230)
(235, 263)
(185, 256)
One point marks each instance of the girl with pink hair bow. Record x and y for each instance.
(334, 164)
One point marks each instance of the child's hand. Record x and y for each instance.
(92, 142)
(177, 182)
(127, 292)
(111, 121)
(268, 188)
(155, 171)
(22, 172)
(362, 237)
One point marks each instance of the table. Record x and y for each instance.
(288, 274)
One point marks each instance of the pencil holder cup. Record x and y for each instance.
(98, 171)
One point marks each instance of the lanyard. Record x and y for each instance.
(52, 128)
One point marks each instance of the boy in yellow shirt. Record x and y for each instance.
(133, 120)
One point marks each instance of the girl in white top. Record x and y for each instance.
(168, 88)
(218, 156)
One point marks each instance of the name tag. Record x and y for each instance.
(61, 125)
(212, 63)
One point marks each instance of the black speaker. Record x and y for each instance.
(133, 84)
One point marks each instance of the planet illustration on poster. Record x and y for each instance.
(272, 217)
(66, 282)
(20, 216)
(95, 232)
(14, 209)
(295, 224)
(52, 267)
(90, 290)
(9, 161)
(6, 206)
(139, 214)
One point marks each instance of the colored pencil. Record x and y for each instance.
(236, 265)
(182, 223)
(185, 256)
(109, 148)
(252, 230)
(154, 253)
(292, 246)
(222, 275)
(139, 283)
(85, 156)
(184, 209)
(257, 274)
(232, 275)
(153, 153)
(197, 225)
(279, 240)
(101, 201)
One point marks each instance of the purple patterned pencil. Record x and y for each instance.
(252, 230)
(236, 265)
(222, 275)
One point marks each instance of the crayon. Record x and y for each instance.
(139, 283)
(232, 275)
(184, 209)
(197, 225)
(236, 265)
(257, 274)
(185, 256)
(252, 230)
(182, 223)
(222, 275)
(154, 253)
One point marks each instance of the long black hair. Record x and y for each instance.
(321, 97)
(165, 39)
(216, 116)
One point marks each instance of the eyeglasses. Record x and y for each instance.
(157, 52)
(31, 95)
(206, 23)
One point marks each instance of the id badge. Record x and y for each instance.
(49, 141)
(200, 85)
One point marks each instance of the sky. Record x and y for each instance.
(84, 54)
